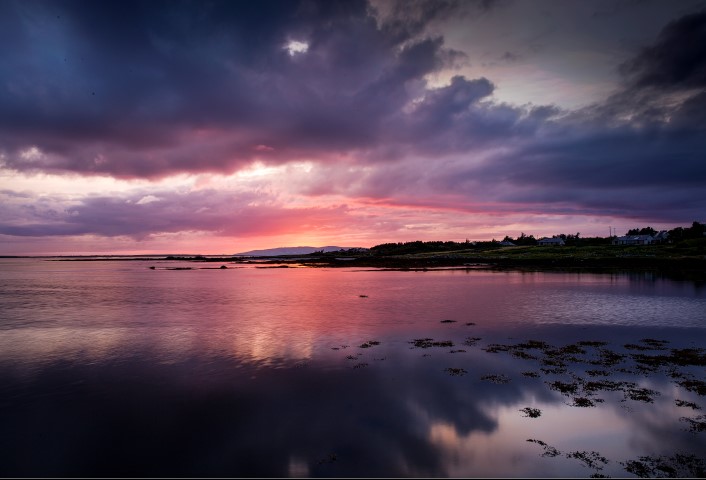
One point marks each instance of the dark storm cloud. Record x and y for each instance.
(640, 153)
(676, 60)
(135, 89)
(152, 89)
(408, 18)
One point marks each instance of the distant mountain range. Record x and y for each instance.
(291, 251)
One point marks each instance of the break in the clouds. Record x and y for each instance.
(406, 106)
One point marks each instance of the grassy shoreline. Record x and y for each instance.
(662, 259)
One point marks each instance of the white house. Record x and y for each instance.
(551, 242)
(634, 240)
(507, 243)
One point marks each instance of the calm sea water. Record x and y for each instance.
(112, 369)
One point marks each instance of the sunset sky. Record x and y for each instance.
(220, 127)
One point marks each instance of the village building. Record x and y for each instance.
(661, 237)
(551, 242)
(634, 240)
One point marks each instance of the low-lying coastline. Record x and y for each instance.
(666, 260)
(662, 259)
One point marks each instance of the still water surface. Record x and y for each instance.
(112, 369)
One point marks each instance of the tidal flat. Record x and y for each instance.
(114, 369)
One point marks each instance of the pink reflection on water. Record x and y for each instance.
(220, 339)
(102, 310)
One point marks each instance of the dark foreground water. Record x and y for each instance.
(113, 369)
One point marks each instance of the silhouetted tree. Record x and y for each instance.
(642, 231)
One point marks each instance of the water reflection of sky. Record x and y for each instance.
(124, 372)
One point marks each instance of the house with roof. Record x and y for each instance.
(661, 237)
(507, 243)
(634, 240)
(551, 242)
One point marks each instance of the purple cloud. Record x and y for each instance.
(146, 90)
(138, 215)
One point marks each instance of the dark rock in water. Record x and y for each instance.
(152, 268)
(363, 296)
(223, 267)
(448, 321)
(456, 372)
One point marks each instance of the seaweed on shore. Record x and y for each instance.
(523, 355)
(693, 385)
(496, 378)
(676, 466)
(684, 403)
(591, 459)
(592, 343)
(584, 402)
(456, 372)
(697, 424)
(531, 412)
(496, 347)
(640, 394)
(563, 387)
(607, 358)
(429, 342)
(549, 451)
(655, 344)
(471, 341)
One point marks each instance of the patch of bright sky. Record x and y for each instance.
(42, 183)
(565, 53)
(47, 184)
(295, 47)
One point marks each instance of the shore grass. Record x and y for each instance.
(687, 263)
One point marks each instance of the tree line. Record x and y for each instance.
(676, 236)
